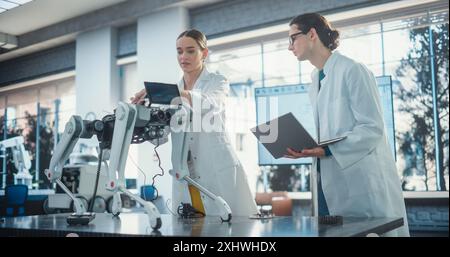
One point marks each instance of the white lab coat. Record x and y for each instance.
(214, 163)
(360, 178)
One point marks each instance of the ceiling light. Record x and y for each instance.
(6, 5)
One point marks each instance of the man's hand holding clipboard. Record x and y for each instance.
(286, 137)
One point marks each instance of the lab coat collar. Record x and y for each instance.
(203, 76)
(326, 68)
(329, 64)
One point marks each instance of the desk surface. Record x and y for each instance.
(34, 192)
(137, 224)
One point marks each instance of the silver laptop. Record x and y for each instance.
(286, 131)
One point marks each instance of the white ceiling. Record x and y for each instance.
(41, 13)
(6, 5)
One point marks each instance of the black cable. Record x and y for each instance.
(187, 211)
(331, 220)
(99, 167)
(153, 178)
(159, 174)
(140, 170)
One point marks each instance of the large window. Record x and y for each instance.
(420, 67)
(36, 113)
(279, 66)
(241, 66)
(363, 44)
(413, 51)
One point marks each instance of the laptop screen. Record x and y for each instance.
(161, 93)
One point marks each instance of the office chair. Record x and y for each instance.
(16, 196)
(279, 202)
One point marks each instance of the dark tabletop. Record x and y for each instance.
(137, 224)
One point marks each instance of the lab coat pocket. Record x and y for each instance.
(339, 115)
(361, 177)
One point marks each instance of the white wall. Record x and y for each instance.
(97, 77)
(128, 87)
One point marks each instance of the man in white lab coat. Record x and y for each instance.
(356, 176)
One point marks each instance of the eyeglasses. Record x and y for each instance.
(294, 36)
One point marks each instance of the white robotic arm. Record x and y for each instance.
(64, 147)
(129, 119)
(221, 204)
(181, 172)
(73, 131)
(129, 124)
(21, 159)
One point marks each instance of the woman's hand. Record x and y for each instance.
(313, 152)
(139, 97)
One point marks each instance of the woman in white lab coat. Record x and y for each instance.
(356, 176)
(211, 159)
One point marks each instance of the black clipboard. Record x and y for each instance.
(286, 131)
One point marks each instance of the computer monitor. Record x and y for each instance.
(272, 102)
(131, 183)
